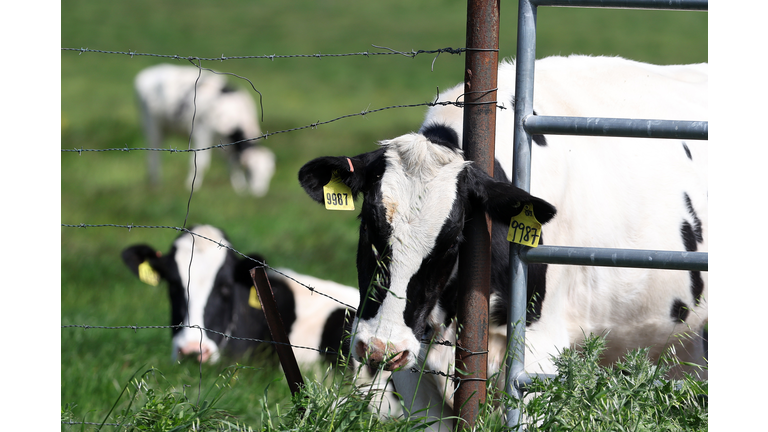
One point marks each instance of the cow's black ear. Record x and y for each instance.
(134, 256)
(356, 172)
(501, 200)
(243, 268)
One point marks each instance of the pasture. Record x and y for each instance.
(98, 111)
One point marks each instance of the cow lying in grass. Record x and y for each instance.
(210, 288)
(593, 192)
(170, 97)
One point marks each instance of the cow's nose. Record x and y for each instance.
(193, 348)
(377, 352)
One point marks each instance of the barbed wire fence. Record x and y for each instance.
(197, 62)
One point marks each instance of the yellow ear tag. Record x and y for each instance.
(338, 196)
(253, 299)
(524, 228)
(148, 275)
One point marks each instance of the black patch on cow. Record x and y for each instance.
(500, 277)
(166, 268)
(373, 253)
(697, 230)
(336, 332)
(687, 150)
(679, 311)
(217, 315)
(238, 138)
(689, 237)
(692, 235)
(228, 88)
(442, 135)
(176, 291)
(697, 286)
(430, 283)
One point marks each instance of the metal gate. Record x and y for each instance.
(526, 125)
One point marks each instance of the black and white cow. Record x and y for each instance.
(212, 288)
(170, 96)
(609, 192)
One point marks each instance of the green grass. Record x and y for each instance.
(98, 111)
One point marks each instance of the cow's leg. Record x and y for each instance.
(153, 135)
(237, 174)
(423, 399)
(200, 160)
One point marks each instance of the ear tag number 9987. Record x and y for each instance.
(337, 195)
(524, 228)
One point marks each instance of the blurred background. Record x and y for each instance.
(99, 111)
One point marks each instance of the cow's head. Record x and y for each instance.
(252, 165)
(417, 189)
(200, 281)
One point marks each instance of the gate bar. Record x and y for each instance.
(521, 178)
(636, 258)
(689, 5)
(616, 127)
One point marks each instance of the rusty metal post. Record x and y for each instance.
(480, 75)
(276, 328)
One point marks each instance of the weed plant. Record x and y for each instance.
(631, 396)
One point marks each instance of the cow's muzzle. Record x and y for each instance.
(193, 348)
(377, 354)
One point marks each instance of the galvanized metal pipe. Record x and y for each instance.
(607, 257)
(521, 177)
(691, 5)
(481, 70)
(616, 127)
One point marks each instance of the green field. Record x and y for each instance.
(98, 112)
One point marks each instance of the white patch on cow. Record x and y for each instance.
(313, 309)
(418, 189)
(198, 268)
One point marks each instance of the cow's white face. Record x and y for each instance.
(413, 231)
(259, 166)
(416, 188)
(198, 268)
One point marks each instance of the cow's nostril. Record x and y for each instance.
(398, 361)
(361, 349)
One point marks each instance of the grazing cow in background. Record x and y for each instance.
(221, 299)
(607, 192)
(171, 96)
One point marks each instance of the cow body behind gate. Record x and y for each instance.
(607, 192)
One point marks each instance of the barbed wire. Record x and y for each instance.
(268, 134)
(219, 244)
(196, 327)
(272, 57)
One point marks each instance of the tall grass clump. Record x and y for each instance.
(150, 402)
(633, 395)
